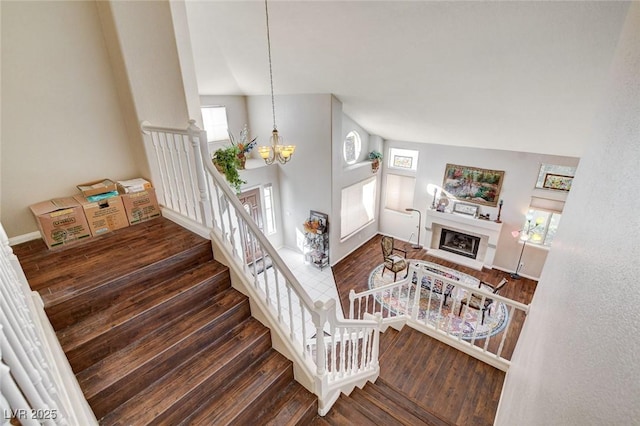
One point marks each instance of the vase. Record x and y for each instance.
(242, 160)
(375, 165)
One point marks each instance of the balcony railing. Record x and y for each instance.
(419, 301)
(330, 355)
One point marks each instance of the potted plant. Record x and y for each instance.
(244, 145)
(375, 158)
(227, 162)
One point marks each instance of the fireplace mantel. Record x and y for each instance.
(488, 231)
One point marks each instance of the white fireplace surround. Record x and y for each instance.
(486, 230)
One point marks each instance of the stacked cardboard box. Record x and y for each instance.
(61, 222)
(139, 200)
(101, 207)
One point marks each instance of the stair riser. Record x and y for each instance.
(213, 388)
(66, 312)
(136, 380)
(116, 338)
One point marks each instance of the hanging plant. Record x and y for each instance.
(227, 162)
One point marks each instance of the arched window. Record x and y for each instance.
(351, 147)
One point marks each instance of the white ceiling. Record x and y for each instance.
(522, 76)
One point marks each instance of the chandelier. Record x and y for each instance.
(277, 150)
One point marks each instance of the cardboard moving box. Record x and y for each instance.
(141, 206)
(133, 185)
(61, 221)
(105, 215)
(98, 187)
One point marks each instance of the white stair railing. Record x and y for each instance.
(417, 290)
(330, 355)
(37, 385)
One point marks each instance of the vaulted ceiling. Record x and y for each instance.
(522, 76)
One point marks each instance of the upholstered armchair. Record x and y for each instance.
(392, 261)
(475, 300)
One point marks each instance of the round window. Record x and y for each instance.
(351, 147)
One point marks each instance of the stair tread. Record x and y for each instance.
(345, 412)
(73, 287)
(264, 374)
(115, 315)
(138, 245)
(382, 389)
(153, 347)
(295, 405)
(86, 264)
(152, 404)
(379, 409)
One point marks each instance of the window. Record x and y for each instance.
(214, 120)
(358, 207)
(544, 225)
(399, 192)
(406, 159)
(269, 209)
(351, 147)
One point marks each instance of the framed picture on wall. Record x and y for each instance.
(464, 208)
(317, 222)
(472, 184)
(552, 176)
(557, 182)
(402, 162)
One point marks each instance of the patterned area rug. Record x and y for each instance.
(447, 318)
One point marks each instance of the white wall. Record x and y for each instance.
(304, 182)
(576, 361)
(344, 175)
(61, 120)
(521, 172)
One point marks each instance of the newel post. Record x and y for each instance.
(352, 296)
(198, 139)
(321, 309)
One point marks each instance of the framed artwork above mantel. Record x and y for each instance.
(472, 184)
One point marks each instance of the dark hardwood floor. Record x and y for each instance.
(456, 387)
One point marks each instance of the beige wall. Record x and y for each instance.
(61, 120)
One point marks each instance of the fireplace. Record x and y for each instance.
(459, 243)
(476, 244)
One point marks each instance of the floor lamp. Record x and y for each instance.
(417, 244)
(524, 237)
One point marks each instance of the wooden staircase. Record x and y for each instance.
(156, 334)
(380, 403)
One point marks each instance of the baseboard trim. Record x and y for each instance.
(187, 223)
(519, 273)
(24, 238)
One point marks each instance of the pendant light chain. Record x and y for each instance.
(273, 104)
